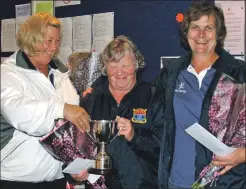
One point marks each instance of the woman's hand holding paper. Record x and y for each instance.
(228, 162)
(82, 176)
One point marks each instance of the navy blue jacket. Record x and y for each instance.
(135, 169)
(163, 119)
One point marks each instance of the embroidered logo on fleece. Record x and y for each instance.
(139, 115)
(181, 88)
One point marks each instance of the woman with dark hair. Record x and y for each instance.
(206, 86)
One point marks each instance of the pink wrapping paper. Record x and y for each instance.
(66, 143)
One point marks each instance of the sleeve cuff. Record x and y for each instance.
(133, 141)
(60, 109)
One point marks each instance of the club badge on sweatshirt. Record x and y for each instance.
(139, 115)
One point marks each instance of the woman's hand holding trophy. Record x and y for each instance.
(125, 128)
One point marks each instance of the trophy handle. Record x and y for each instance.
(89, 133)
(117, 133)
(91, 137)
(114, 137)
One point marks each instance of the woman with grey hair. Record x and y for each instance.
(110, 54)
(121, 94)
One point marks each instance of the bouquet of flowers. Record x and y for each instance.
(66, 143)
(227, 119)
(208, 175)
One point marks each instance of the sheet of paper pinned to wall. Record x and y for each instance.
(82, 33)
(22, 12)
(234, 12)
(8, 35)
(103, 25)
(66, 32)
(166, 59)
(43, 6)
(102, 30)
(59, 3)
(240, 57)
(100, 44)
(64, 54)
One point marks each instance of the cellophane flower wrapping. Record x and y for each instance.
(227, 121)
(87, 72)
(66, 143)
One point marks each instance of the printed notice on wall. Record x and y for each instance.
(103, 30)
(43, 6)
(59, 3)
(100, 44)
(103, 25)
(166, 59)
(234, 12)
(66, 32)
(82, 33)
(8, 35)
(64, 54)
(240, 57)
(22, 12)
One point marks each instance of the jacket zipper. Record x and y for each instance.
(12, 151)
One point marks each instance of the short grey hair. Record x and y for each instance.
(117, 49)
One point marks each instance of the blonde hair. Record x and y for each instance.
(33, 31)
(75, 59)
(116, 50)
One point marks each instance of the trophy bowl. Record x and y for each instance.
(102, 132)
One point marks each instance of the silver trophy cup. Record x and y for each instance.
(102, 132)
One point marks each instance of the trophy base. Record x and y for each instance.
(101, 171)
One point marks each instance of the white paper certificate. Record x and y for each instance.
(79, 165)
(209, 140)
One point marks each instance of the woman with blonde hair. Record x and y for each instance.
(33, 96)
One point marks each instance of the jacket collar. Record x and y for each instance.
(23, 61)
(224, 61)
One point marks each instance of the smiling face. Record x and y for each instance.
(202, 35)
(49, 46)
(122, 74)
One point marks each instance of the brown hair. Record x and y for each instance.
(116, 50)
(33, 30)
(195, 12)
